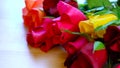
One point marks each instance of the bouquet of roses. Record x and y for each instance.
(90, 32)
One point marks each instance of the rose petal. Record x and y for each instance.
(101, 59)
(47, 45)
(33, 4)
(116, 46)
(111, 33)
(87, 59)
(33, 18)
(112, 38)
(69, 13)
(86, 27)
(36, 36)
(73, 47)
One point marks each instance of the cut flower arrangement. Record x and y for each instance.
(89, 33)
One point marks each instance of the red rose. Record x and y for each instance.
(86, 58)
(32, 14)
(45, 35)
(112, 38)
(33, 18)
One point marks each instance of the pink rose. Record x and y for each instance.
(69, 19)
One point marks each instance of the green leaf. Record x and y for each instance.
(94, 3)
(98, 3)
(107, 4)
(117, 23)
(105, 11)
(98, 46)
(116, 10)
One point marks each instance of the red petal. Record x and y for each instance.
(36, 36)
(73, 47)
(33, 18)
(116, 46)
(111, 33)
(37, 16)
(47, 45)
(86, 58)
(101, 59)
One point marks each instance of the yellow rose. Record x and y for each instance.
(88, 26)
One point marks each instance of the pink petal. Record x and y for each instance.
(69, 13)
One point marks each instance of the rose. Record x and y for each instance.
(45, 35)
(32, 14)
(75, 46)
(33, 18)
(112, 38)
(68, 20)
(88, 26)
(86, 58)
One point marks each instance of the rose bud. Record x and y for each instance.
(68, 20)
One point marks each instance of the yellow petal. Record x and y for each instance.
(102, 19)
(86, 27)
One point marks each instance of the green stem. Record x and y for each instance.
(78, 33)
(109, 63)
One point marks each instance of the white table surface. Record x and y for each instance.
(14, 51)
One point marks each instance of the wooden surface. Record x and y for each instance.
(14, 51)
